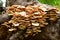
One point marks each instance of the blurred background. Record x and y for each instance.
(55, 3)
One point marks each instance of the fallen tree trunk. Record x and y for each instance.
(22, 2)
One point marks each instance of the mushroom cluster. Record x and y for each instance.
(30, 18)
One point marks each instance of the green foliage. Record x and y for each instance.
(1, 3)
(51, 2)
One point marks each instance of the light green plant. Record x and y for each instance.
(51, 2)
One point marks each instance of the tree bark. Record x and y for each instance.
(22, 2)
